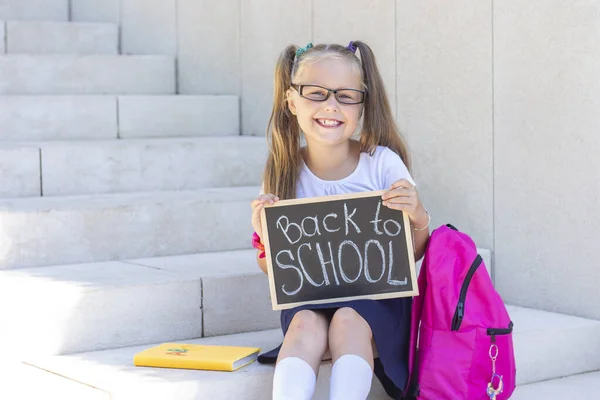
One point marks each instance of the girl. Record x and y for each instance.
(323, 91)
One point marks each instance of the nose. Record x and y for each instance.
(331, 103)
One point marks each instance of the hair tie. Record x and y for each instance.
(351, 47)
(301, 50)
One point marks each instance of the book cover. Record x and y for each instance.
(196, 356)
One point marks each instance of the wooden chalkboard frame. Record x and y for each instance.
(407, 235)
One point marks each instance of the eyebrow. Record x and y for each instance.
(328, 87)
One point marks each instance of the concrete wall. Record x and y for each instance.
(547, 153)
(498, 100)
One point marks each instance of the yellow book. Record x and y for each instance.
(196, 356)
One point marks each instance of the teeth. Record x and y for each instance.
(328, 122)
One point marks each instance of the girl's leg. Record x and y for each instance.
(300, 355)
(350, 342)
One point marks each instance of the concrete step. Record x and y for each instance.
(133, 165)
(65, 323)
(115, 304)
(25, 382)
(39, 10)
(98, 74)
(181, 115)
(55, 117)
(112, 371)
(580, 387)
(78, 229)
(20, 174)
(551, 346)
(48, 37)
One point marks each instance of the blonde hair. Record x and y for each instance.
(283, 131)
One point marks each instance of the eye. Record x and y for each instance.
(315, 92)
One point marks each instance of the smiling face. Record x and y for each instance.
(326, 122)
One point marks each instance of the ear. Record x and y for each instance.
(290, 101)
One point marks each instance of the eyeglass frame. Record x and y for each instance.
(329, 91)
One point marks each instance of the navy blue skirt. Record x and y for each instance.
(389, 320)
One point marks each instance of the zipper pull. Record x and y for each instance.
(458, 316)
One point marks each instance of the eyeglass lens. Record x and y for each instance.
(318, 93)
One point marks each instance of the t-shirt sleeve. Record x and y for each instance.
(393, 168)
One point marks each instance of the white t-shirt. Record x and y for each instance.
(376, 172)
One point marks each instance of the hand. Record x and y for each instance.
(403, 196)
(257, 205)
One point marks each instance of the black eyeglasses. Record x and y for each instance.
(320, 93)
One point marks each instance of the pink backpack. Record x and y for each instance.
(463, 324)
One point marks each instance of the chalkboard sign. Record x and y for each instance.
(337, 248)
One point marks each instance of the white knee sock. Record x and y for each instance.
(294, 379)
(351, 378)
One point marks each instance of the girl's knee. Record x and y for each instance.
(347, 319)
(308, 324)
(306, 320)
(307, 330)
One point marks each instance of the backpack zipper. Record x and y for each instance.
(460, 307)
(500, 331)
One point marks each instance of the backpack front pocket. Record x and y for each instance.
(493, 342)
(445, 359)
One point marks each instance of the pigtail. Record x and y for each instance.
(283, 134)
(379, 127)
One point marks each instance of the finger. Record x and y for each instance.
(258, 209)
(399, 206)
(256, 218)
(269, 198)
(255, 203)
(401, 200)
(402, 183)
(405, 208)
(272, 198)
(398, 192)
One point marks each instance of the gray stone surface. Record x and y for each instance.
(95, 10)
(547, 97)
(169, 116)
(57, 117)
(132, 165)
(25, 382)
(567, 345)
(445, 110)
(87, 307)
(584, 386)
(2, 37)
(274, 25)
(19, 171)
(227, 311)
(45, 10)
(66, 230)
(235, 291)
(61, 38)
(208, 52)
(113, 372)
(64, 74)
(152, 31)
(373, 22)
